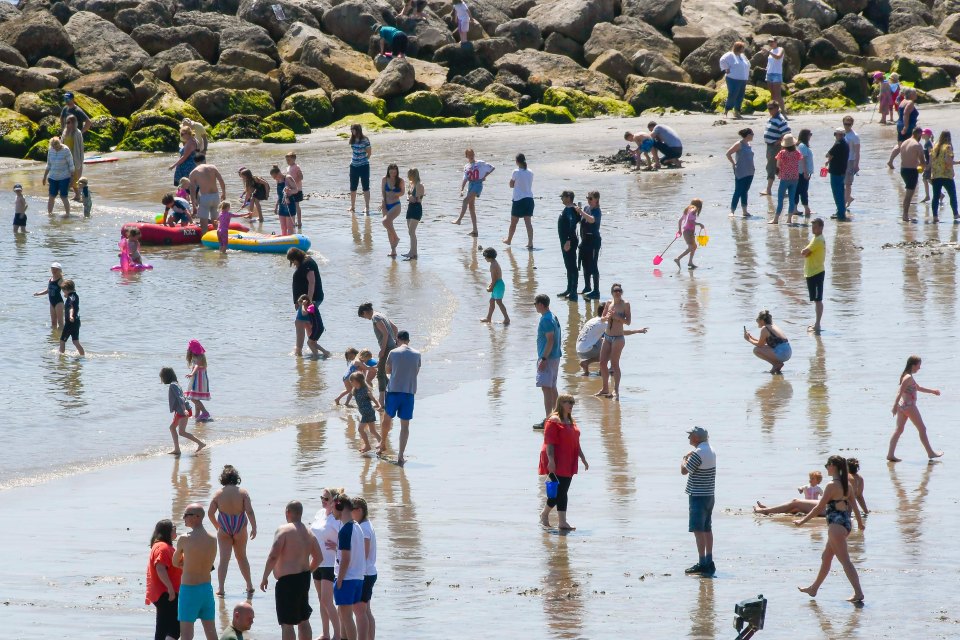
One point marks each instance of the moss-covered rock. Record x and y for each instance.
(38, 151)
(487, 104)
(348, 102)
(411, 120)
(153, 138)
(908, 70)
(313, 105)
(48, 127)
(283, 136)
(105, 133)
(170, 106)
(755, 99)
(645, 93)
(16, 133)
(514, 117)
(218, 104)
(49, 102)
(583, 105)
(368, 121)
(546, 113)
(244, 127)
(289, 119)
(142, 119)
(425, 103)
(828, 97)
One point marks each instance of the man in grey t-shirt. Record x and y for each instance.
(403, 365)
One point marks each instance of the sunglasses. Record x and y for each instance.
(617, 290)
(195, 515)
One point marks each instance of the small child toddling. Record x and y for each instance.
(199, 389)
(496, 286)
(365, 403)
(85, 196)
(71, 318)
(19, 210)
(687, 224)
(180, 410)
(309, 318)
(812, 491)
(223, 223)
(349, 355)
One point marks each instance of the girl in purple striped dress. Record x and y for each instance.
(199, 389)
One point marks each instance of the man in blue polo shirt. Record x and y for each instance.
(548, 354)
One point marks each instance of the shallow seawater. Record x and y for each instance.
(83, 474)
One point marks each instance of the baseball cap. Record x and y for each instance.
(928, 132)
(18, 187)
(700, 432)
(56, 265)
(67, 96)
(840, 130)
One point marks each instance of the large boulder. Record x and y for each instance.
(348, 102)
(817, 10)
(659, 13)
(950, 27)
(248, 37)
(524, 33)
(7, 98)
(823, 53)
(848, 7)
(827, 97)
(291, 44)
(655, 65)
(219, 104)
(262, 14)
(703, 64)
(161, 63)
(563, 46)
(613, 65)
(841, 39)
(248, 59)
(112, 89)
(313, 105)
(628, 40)
(547, 69)
(18, 79)
(430, 76)
(352, 20)
(214, 21)
(294, 74)
(348, 69)
(164, 104)
(16, 133)
(396, 80)
(919, 42)
(100, 46)
(459, 60)
(49, 102)
(62, 70)
(645, 93)
(153, 139)
(149, 12)
(37, 34)
(862, 30)
(9, 55)
(429, 34)
(146, 86)
(489, 16)
(489, 50)
(905, 14)
(583, 106)
(854, 80)
(155, 39)
(572, 18)
(190, 77)
(710, 17)
(426, 103)
(106, 9)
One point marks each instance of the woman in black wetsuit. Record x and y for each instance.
(590, 245)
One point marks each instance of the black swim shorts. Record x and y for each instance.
(293, 598)
(815, 286)
(910, 178)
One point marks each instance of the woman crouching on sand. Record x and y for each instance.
(771, 345)
(838, 500)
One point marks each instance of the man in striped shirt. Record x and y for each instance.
(700, 467)
(777, 127)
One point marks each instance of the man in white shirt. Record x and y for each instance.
(853, 162)
(736, 71)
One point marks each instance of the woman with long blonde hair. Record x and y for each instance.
(558, 458)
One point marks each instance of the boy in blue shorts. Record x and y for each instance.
(496, 286)
(19, 210)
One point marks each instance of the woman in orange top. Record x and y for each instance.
(558, 457)
(163, 580)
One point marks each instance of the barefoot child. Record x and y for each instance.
(905, 406)
(19, 210)
(85, 196)
(176, 210)
(349, 355)
(308, 315)
(294, 170)
(885, 97)
(71, 318)
(474, 174)
(199, 389)
(462, 14)
(926, 139)
(54, 297)
(255, 189)
(180, 410)
(812, 491)
(366, 404)
(223, 223)
(687, 224)
(496, 286)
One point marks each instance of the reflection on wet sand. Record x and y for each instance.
(838, 623)
(562, 593)
(914, 287)
(910, 508)
(190, 482)
(845, 271)
(746, 266)
(66, 377)
(311, 440)
(621, 479)
(309, 380)
(702, 615)
(693, 301)
(818, 396)
(362, 238)
(944, 273)
(774, 397)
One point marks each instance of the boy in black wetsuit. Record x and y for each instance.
(71, 317)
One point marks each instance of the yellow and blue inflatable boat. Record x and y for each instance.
(257, 242)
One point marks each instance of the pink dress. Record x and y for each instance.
(199, 385)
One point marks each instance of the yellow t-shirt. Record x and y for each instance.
(813, 263)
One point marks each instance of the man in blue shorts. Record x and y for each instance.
(403, 365)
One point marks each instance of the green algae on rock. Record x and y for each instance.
(150, 117)
(583, 105)
(49, 102)
(283, 136)
(411, 120)
(546, 113)
(218, 104)
(170, 106)
(644, 93)
(38, 151)
(348, 102)
(244, 127)
(487, 104)
(514, 117)
(16, 133)
(289, 119)
(313, 105)
(368, 121)
(153, 138)
(105, 132)
(426, 103)
(754, 99)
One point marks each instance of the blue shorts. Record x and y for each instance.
(180, 216)
(349, 594)
(499, 288)
(646, 145)
(701, 513)
(58, 187)
(783, 351)
(195, 601)
(774, 77)
(368, 582)
(401, 404)
(475, 187)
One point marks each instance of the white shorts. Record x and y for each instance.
(464, 25)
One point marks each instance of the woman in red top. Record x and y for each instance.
(163, 581)
(558, 457)
(788, 168)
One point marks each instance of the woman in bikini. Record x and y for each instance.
(391, 187)
(803, 505)
(905, 406)
(837, 503)
(229, 511)
(771, 345)
(617, 316)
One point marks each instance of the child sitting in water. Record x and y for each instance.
(223, 223)
(365, 403)
(180, 410)
(19, 210)
(496, 286)
(133, 246)
(812, 491)
(349, 355)
(85, 196)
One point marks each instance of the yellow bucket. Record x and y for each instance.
(703, 240)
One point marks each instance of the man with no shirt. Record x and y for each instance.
(195, 554)
(911, 157)
(293, 557)
(204, 193)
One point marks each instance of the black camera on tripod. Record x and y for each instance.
(749, 618)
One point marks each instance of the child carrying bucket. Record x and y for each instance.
(687, 225)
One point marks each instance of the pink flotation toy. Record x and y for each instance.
(126, 264)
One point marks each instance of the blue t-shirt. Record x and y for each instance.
(389, 33)
(360, 153)
(548, 324)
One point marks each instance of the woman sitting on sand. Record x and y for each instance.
(229, 511)
(771, 345)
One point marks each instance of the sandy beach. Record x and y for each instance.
(84, 477)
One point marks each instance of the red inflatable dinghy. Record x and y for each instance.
(160, 234)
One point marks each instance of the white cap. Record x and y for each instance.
(56, 265)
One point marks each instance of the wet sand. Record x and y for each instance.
(458, 532)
